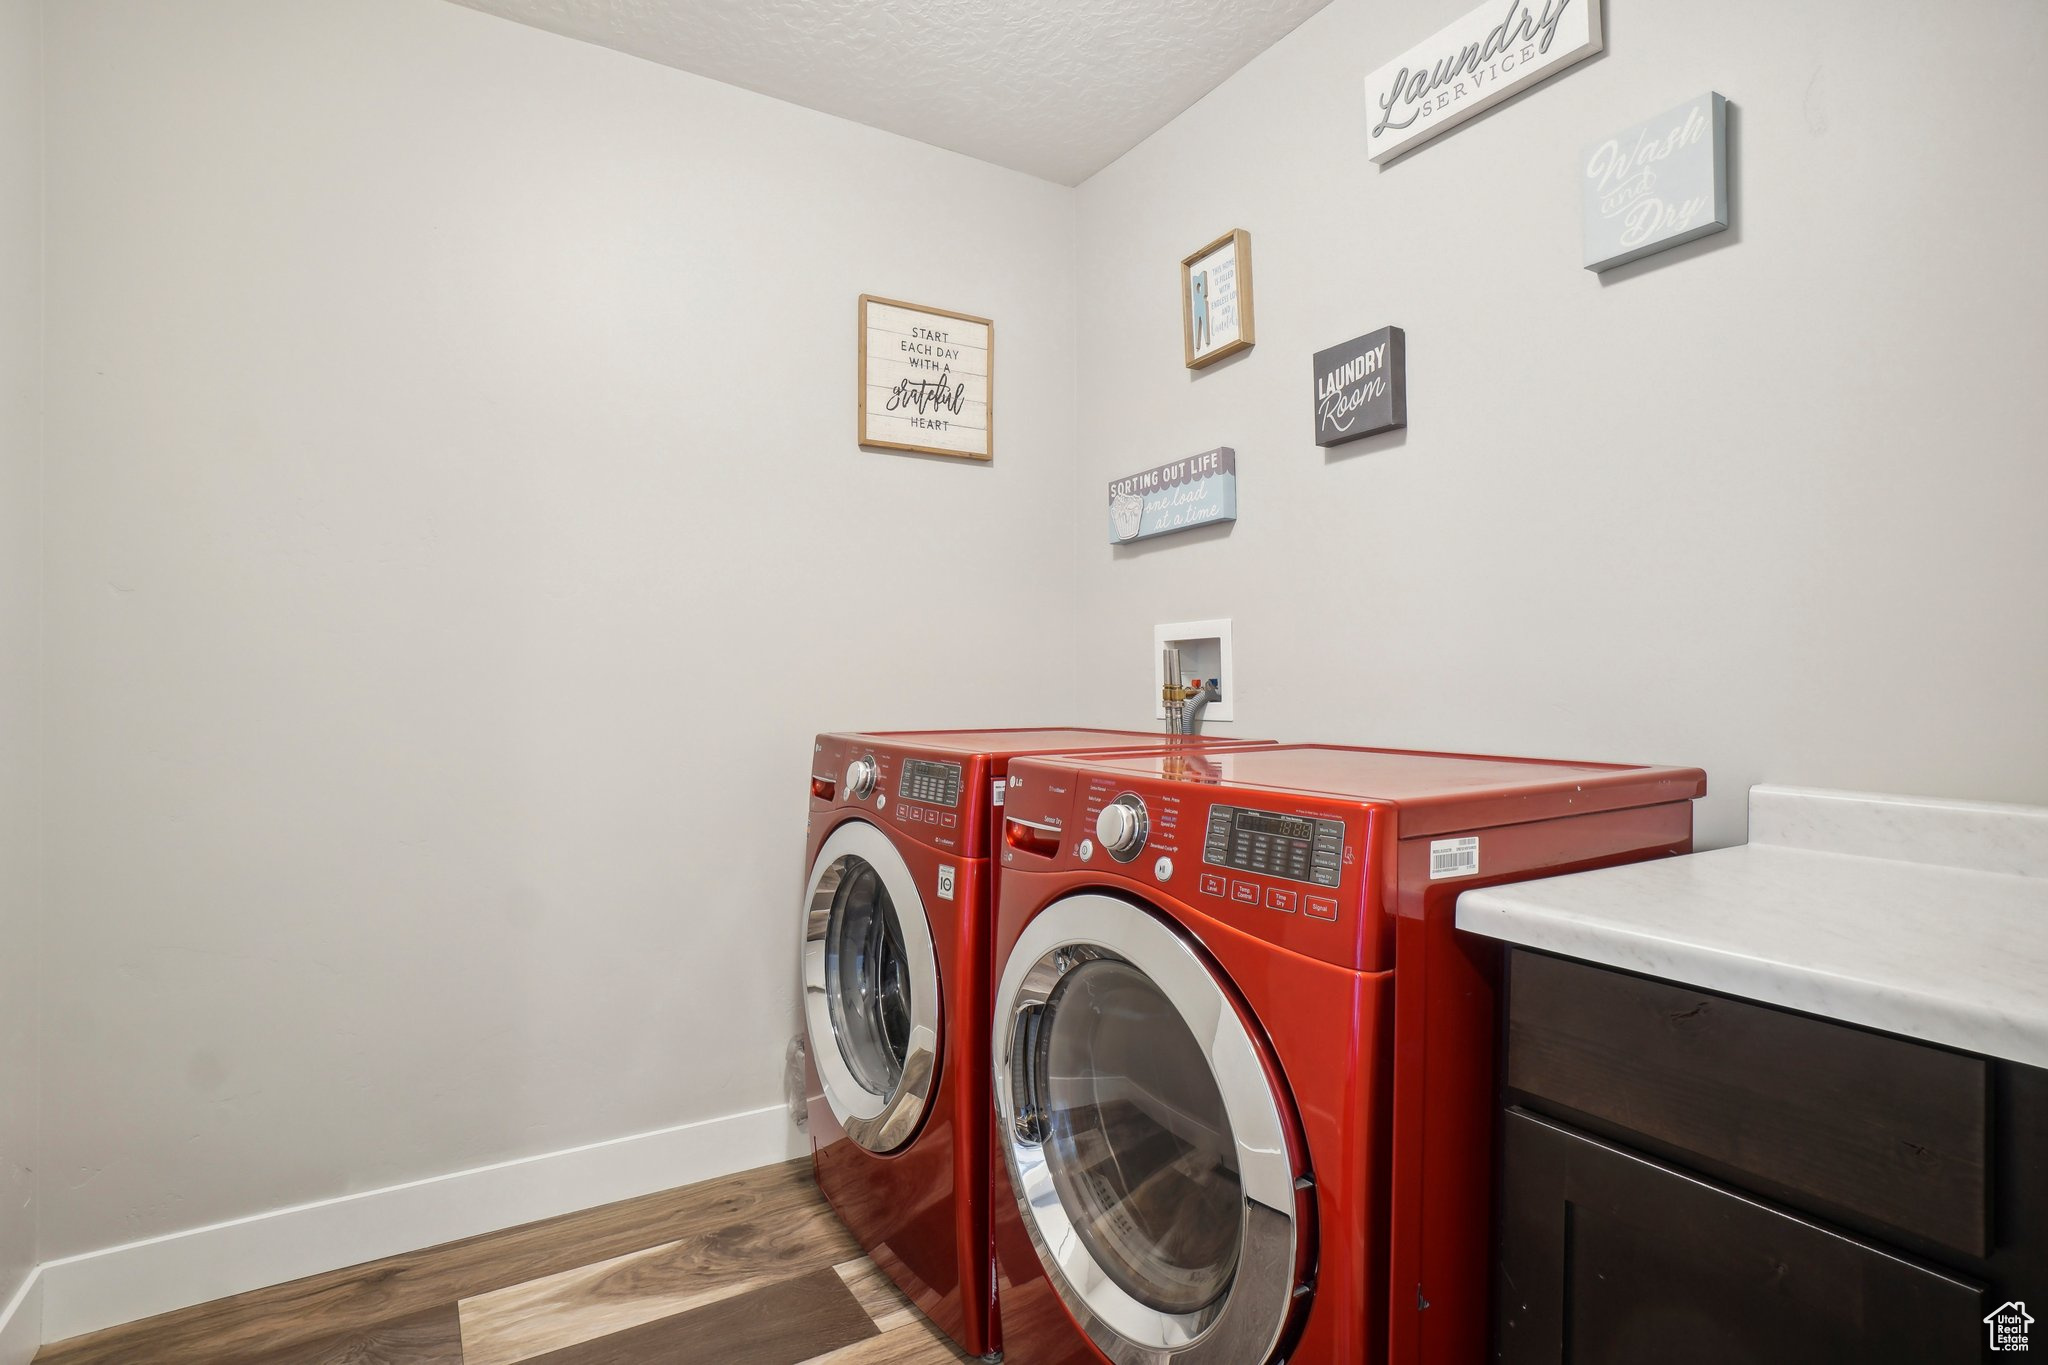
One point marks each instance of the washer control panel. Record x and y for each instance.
(1295, 847)
(933, 782)
(1296, 871)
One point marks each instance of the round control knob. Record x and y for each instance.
(1121, 827)
(860, 777)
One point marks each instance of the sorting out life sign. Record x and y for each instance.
(1177, 496)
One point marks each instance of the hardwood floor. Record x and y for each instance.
(749, 1270)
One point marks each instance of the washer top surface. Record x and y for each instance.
(1432, 791)
(994, 743)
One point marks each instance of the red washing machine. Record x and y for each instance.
(1244, 1064)
(896, 970)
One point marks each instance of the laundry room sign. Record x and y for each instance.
(1499, 49)
(927, 379)
(1362, 387)
(1197, 491)
(1658, 184)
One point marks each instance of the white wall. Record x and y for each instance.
(1772, 503)
(21, 154)
(456, 536)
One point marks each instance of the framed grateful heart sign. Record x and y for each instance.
(927, 379)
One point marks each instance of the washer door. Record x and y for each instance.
(1145, 1143)
(871, 987)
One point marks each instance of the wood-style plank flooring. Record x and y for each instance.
(749, 1270)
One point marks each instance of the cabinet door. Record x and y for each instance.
(1608, 1258)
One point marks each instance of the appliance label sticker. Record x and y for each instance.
(995, 795)
(1453, 858)
(945, 882)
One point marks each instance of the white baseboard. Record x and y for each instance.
(21, 1322)
(121, 1284)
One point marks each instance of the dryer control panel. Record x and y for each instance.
(927, 797)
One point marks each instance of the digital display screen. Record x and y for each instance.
(925, 780)
(1285, 826)
(1298, 848)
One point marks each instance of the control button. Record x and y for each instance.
(1244, 891)
(1325, 876)
(1121, 828)
(1163, 869)
(881, 803)
(1320, 907)
(1276, 899)
(1085, 850)
(949, 820)
(1213, 885)
(860, 778)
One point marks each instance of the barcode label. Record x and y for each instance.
(995, 796)
(1453, 858)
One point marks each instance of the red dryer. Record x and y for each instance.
(1244, 1063)
(896, 964)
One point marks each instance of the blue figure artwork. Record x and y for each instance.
(1201, 309)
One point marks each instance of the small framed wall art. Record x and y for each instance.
(1216, 299)
(927, 379)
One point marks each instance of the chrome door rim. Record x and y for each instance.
(1245, 1325)
(877, 1122)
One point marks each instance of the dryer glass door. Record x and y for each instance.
(871, 987)
(1145, 1141)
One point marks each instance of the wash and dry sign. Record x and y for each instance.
(1498, 49)
(1658, 184)
(1180, 496)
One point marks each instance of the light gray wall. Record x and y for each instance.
(21, 312)
(456, 536)
(1771, 503)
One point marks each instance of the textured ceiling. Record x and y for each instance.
(1056, 88)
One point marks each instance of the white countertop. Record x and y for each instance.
(1919, 917)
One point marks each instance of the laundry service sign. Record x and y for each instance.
(1503, 47)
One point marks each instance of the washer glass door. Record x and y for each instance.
(871, 987)
(1138, 1142)
(1146, 1144)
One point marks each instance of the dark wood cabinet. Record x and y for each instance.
(1687, 1177)
(1613, 1259)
